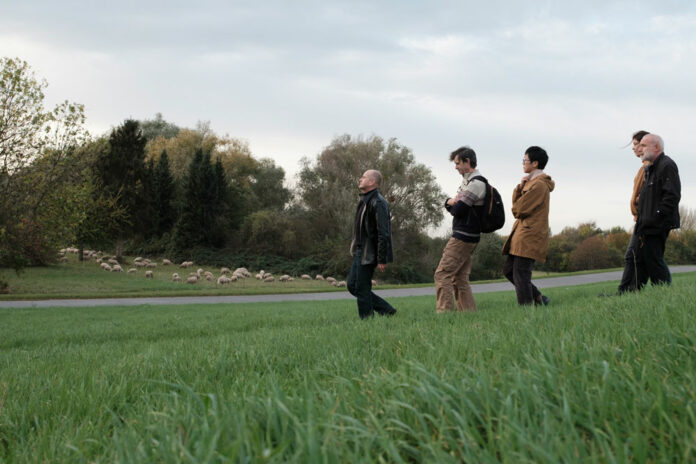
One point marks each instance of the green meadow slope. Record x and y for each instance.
(586, 379)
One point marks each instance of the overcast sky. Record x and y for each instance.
(577, 78)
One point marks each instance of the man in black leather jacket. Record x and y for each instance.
(371, 246)
(658, 212)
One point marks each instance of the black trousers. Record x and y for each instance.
(360, 285)
(518, 270)
(650, 262)
(628, 280)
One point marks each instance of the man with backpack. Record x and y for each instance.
(452, 274)
(529, 238)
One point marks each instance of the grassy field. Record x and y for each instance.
(86, 280)
(586, 379)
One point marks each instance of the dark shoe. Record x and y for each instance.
(545, 300)
(389, 313)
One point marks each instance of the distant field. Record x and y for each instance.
(86, 280)
(586, 379)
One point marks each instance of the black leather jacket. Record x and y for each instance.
(658, 203)
(375, 230)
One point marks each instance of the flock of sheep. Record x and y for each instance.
(226, 275)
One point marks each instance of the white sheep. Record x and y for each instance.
(176, 278)
(116, 268)
(132, 270)
(139, 258)
(223, 279)
(192, 279)
(149, 274)
(269, 279)
(306, 277)
(259, 276)
(242, 271)
(166, 262)
(225, 270)
(234, 278)
(112, 261)
(139, 264)
(149, 264)
(319, 277)
(330, 279)
(374, 283)
(284, 278)
(106, 267)
(342, 283)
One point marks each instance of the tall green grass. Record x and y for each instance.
(586, 379)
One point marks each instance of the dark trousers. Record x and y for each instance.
(360, 285)
(650, 262)
(518, 270)
(628, 280)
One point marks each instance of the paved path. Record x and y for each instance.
(419, 291)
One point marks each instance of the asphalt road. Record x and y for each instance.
(420, 291)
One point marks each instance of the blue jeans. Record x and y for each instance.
(360, 285)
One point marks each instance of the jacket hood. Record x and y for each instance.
(545, 178)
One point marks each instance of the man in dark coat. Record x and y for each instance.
(371, 246)
(658, 212)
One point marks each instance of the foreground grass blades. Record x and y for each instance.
(586, 379)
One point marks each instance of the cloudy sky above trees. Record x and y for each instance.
(574, 77)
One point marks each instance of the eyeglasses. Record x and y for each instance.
(525, 161)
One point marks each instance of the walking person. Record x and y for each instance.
(628, 279)
(529, 237)
(452, 273)
(371, 246)
(658, 212)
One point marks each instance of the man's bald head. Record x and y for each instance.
(652, 146)
(370, 180)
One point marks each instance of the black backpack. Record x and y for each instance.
(492, 214)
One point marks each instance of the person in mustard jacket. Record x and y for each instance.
(529, 238)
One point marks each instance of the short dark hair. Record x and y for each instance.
(537, 154)
(463, 153)
(639, 135)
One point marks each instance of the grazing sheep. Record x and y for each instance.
(199, 272)
(117, 268)
(112, 261)
(239, 275)
(374, 283)
(176, 278)
(284, 278)
(234, 278)
(186, 264)
(139, 258)
(99, 260)
(306, 277)
(149, 275)
(149, 264)
(166, 262)
(269, 279)
(139, 264)
(342, 283)
(106, 267)
(291, 279)
(223, 279)
(259, 276)
(242, 272)
(225, 270)
(192, 279)
(132, 270)
(330, 279)
(210, 277)
(319, 277)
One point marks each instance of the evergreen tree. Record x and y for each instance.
(165, 190)
(120, 170)
(148, 214)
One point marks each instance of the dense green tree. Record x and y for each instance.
(165, 193)
(120, 171)
(202, 221)
(267, 187)
(37, 149)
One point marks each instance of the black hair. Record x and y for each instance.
(463, 153)
(537, 154)
(639, 135)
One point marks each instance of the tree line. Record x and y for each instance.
(151, 187)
